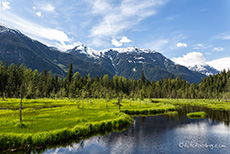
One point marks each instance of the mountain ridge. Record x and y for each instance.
(123, 62)
(16, 47)
(204, 69)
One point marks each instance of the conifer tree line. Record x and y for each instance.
(17, 81)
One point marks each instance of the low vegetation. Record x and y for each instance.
(47, 121)
(81, 106)
(196, 115)
(215, 104)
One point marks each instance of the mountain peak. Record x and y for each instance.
(80, 47)
(4, 28)
(129, 50)
(83, 49)
(204, 69)
(16, 47)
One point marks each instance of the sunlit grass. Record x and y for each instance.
(53, 120)
(210, 103)
(41, 115)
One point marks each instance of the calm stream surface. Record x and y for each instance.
(162, 134)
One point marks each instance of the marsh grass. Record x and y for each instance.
(196, 115)
(172, 113)
(49, 121)
(44, 139)
(210, 103)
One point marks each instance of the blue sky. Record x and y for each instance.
(187, 31)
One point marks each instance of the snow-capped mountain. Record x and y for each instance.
(83, 49)
(129, 62)
(16, 47)
(204, 69)
(5, 29)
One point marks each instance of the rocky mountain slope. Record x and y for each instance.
(16, 47)
(129, 62)
(204, 69)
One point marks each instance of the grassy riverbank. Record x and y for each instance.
(210, 103)
(50, 121)
(47, 121)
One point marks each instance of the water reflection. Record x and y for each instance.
(163, 134)
(213, 115)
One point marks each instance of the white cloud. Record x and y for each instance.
(100, 6)
(118, 17)
(116, 43)
(199, 46)
(65, 47)
(197, 58)
(39, 14)
(44, 6)
(218, 49)
(206, 47)
(220, 64)
(6, 5)
(181, 45)
(224, 36)
(227, 37)
(166, 43)
(47, 7)
(124, 39)
(190, 59)
(44, 34)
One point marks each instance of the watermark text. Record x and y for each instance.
(200, 145)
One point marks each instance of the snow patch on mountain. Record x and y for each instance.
(204, 69)
(139, 58)
(83, 49)
(4, 28)
(129, 50)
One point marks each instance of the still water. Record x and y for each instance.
(162, 135)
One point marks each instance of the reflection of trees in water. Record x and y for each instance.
(214, 115)
(142, 128)
(81, 145)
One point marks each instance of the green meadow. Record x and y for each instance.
(47, 121)
(215, 104)
(48, 114)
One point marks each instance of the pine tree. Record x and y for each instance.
(70, 73)
(143, 78)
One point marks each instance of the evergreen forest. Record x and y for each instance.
(21, 82)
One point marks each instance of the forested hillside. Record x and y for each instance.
(19, 81)
(15, 47)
